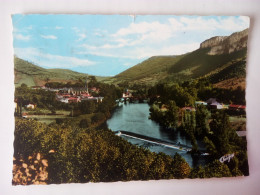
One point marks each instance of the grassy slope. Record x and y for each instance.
(201, 63)
(30, 74)
(189, 66)
(150, 70)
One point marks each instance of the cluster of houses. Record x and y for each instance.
(74, 95)
(213, 104)
(127, 94)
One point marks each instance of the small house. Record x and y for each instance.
(31, 106)
(189, 109)
(73, 100)
(201, 103)
(214, 104)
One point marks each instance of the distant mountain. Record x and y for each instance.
(215, 56)
(226, 44)
(221, 59)
(32, 75)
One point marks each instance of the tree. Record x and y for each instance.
(27, 135)
(202, 118)
(171, 115)
(217, 169)
(181, 168)
(221, 128)
(155, 113)
(98, 117)
(210, 146)
(84, 123)
(198, 172)
(87, 107)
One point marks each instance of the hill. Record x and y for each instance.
(220, 59)
(223, 57)
(32, 75)
(149, 71)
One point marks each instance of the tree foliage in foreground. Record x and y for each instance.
(89, 155)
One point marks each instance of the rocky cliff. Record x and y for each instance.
(226, 44)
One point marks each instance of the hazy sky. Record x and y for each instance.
(106, 45)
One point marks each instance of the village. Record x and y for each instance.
(75, 95)
(213, 104)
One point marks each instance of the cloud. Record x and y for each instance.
(22, 37)
(234, 24)
(145, 39)
(58, 27)
(178, 49)
(81, 35)
(48, 36)
(209, 24)
(99, 32)
(40, 58)
(140, 52)
(157, 31)
(29, 27)
(145, 30)
(128, 64)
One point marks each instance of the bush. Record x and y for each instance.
(85, 123)
(98, 117)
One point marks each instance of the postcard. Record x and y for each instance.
(107, 98)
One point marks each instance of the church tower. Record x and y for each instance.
(86, 84)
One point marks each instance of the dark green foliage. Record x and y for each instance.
(42, 99)
(89, 155)
(171, 115)
(198, 172)
(202, 121)
(205, 63)
(85, 123)
(181, 168)
(237, 69)
(218, 136)
(210, 146)
(28, 134)
(222, 133)
(181, 96)
(227, 96)
(217, 169)
(168, 117)
(98, 117)
(87, 107)
(188, 125)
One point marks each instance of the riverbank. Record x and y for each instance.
(134, 118)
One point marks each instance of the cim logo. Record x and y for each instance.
(226, 157)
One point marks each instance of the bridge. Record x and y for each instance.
(167, 144)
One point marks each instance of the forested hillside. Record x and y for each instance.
(208, 60)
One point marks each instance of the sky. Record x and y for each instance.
(105, 45)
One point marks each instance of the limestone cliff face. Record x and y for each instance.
(226, 44)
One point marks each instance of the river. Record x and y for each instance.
(134, 117)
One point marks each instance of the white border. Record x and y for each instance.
(241, 185)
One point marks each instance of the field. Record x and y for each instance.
(47, 118)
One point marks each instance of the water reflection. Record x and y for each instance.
(135, 118)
